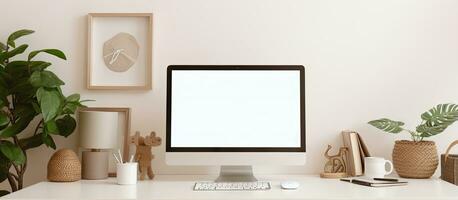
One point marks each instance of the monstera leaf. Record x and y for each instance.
(437, 119)
(387, 125)
(441, 115)
(427, 131)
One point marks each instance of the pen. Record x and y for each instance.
(116, 157)
(120, 156)
(386, 179)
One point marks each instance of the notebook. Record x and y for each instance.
(374, 183)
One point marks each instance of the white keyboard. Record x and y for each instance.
(230, 186)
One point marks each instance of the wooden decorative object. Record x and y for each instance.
(64, 166)
(336, 166)
(123, 134)
(449, 165)
(96, 34)
(143, 153)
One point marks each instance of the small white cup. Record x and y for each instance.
(126, 173)
(375, 167)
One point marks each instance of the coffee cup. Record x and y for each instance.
(375, 167)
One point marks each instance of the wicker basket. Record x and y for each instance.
(415, 159)
(449, 165)
(64, 166)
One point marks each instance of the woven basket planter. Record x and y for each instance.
(415, 159)
(64, 166)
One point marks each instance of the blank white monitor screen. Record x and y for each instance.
(235, 108)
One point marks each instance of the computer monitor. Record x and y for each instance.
(235, 117)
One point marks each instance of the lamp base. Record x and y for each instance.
(95, 165)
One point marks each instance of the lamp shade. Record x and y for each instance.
(98, 129)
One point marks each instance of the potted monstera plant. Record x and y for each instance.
(418, 158)
(30, 95)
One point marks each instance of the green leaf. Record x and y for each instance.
(2, 59)
(2, 46)
(17, 68)
(36, 107)
(38, 65)
(23, 110)
(48, 141)
(387, 125)
(50, 102)
(66, 125)
(22, 86)
(31, 142)
(5, 165)
(3, 93)
(24, 92)
(21, 68)
(5, 78)
(3, 192)
(13, 52)
(55, 52)
(12, 152)
(51, 127)
(17, 35)
(45, 79)
(428, 131)
(70, 107)
(17, 127)
(442, 114)
(86, 100)
(16, 63)
(4, 120)
(73, 98)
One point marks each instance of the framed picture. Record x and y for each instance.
(122, 134)
(119, 51)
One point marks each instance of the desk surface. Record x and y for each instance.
(180, 187)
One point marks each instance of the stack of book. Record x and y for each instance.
(357, 150)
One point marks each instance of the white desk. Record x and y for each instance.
(180, 187)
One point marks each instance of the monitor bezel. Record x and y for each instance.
(171, 68)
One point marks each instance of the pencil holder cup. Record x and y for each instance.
(126, 173)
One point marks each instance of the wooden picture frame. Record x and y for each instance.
(145, 51)
(125, 145)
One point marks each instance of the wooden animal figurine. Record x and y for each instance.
(143, 153)
(336, 166)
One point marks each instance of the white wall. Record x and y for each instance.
(366, 59)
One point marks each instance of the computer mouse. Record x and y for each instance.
(289, 185)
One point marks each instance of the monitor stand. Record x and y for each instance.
(236, 174)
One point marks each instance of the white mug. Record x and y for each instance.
(374, 167)
(126, 173)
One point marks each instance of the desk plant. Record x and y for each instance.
(418, 158)
(28, 90)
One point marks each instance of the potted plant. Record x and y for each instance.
(418, 158)
(28, 90)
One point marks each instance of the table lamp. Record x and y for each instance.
(98, 134)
